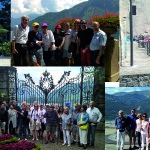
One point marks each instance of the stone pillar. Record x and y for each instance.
(112, 64)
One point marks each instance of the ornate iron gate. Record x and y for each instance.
(74, 90)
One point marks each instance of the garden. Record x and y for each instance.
(9, 142)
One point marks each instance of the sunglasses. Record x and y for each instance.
(82, 23)
(36, 27)
(144, 116)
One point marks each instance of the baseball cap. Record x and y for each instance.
(76, 104)
(44, 25)
(58, 27)
(120, 111)
(35, 24)
(67, 104)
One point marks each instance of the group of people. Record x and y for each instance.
(63, 47)
(50, 122)
(136, 126)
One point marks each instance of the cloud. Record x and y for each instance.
(41, 6)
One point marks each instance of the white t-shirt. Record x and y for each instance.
(139, 124)
(35, 115)
(94, 114)
(48, 38)
(67, 40)
(20, 35)
(41, 113)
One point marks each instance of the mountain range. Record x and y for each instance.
(84, 10)
(140, 100)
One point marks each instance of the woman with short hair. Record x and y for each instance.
(82, 122)
(66, 126)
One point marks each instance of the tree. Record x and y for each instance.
(5, 16)
(3, 33)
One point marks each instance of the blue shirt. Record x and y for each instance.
(99, 39)
(33, 37)
(131, 121)
(121, 123)
(85, 118)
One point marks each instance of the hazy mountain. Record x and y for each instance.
(83, 10)
(15, 21)
(139, 100)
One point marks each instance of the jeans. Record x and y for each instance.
(22, 129)
(144, 138)
(49, 58)
(138, 134)
(22, 54)
(91, 134)
(120, 138)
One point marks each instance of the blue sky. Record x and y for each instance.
(25, 7)
(112, 90)
(56, 72)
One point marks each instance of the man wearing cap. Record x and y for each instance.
(131, 124)
(51, 116)
(94, 117)
(19, 42)
(75, 129)
(49, 46)
(121, 125)
(97, 45)
(35, 41)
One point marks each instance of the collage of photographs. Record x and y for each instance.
(74, 74)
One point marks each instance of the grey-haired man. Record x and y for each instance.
(121, 124)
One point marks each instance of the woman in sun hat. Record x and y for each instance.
(49, 46)
(35, 41)
(59, 42)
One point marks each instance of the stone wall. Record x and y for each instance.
(140, 80)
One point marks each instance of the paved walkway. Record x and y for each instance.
(99, 144)
(141, 62)
(5, 61)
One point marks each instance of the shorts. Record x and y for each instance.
(37, 55)
(75, 130)
(132, 133)
(2, 125)
(66, 54)
(35, 126)
(50, 128)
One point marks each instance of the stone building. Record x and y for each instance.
(141, 23)
(7, 83)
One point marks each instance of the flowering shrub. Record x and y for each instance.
(23, 145)
(62, 21)
(107, 20)
(12, 140)
(5, 137)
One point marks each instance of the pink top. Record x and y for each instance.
(144, 129)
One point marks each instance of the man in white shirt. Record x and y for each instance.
(94, 117)
(19, 42)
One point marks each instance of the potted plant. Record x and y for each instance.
(109, 22)
(62, 22)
